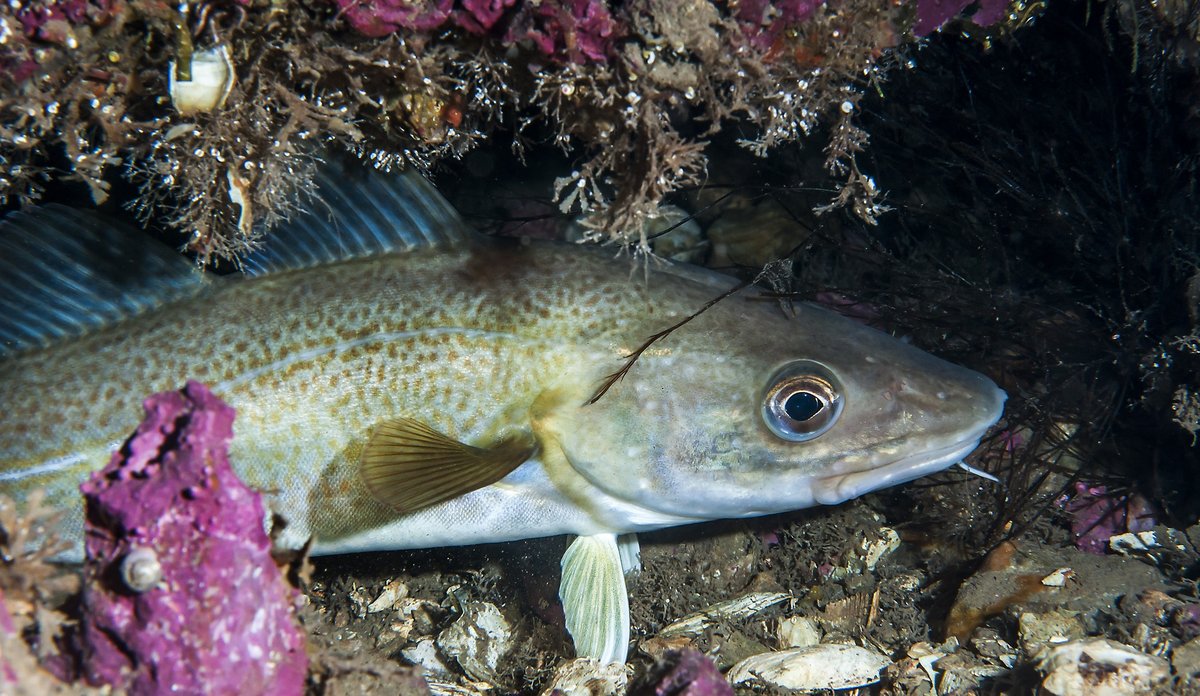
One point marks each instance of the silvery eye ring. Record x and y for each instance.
(802, 401)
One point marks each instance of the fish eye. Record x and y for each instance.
(802, 401)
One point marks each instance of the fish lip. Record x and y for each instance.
(836, 489)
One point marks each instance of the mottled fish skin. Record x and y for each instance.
(479, 341)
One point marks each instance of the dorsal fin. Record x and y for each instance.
(64, 272)
(359, 211)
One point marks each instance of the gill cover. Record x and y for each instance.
(704, 436)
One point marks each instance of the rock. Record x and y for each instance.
(1038, 629)
(816, 667)
(478, 640)
(359, 600)
(960, 675)
(413, 616)
(587, 677)
(684, 242)
(1099, 667)
(685, 673)
(449, 688)
(928, 655)
(1010, 582)
(882, 546)
(1058, 578)
(425, 654)
(1146, 542)
(180, 591)
(989, 645)
(729, 645)
(1185, 659)
(658, 647)
(754, 236)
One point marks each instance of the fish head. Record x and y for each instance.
(746, 412)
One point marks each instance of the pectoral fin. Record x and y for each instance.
(594, 598)
(408, 465)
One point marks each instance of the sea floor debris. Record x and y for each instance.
(844, 579)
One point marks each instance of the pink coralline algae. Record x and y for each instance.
(52, 21)
(764, 21)
(180, 592)
(375, 18)
(48, 22)
(1097, 514)
(932, 14)
(567, 30)
(687, 673)
(574, 30)
(479, 16)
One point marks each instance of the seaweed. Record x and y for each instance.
(634, 91)
(33, 590)
(1047, 236)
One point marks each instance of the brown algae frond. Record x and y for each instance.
(635, 89)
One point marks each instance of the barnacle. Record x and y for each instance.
(210, 78)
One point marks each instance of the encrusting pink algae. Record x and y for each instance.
(181, 594)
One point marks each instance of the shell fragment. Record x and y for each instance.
(814, 668)
(737, 608)
(1100, 667)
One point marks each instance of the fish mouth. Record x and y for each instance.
(832, 490)
(840, 487)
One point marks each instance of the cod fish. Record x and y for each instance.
(403, 382)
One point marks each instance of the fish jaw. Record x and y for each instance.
(838, 488)
(973, 404)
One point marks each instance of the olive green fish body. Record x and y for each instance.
(467, 341)
(402, 383)
(489, 352)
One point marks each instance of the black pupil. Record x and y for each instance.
(802, 406)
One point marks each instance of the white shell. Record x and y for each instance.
(875, 550)
(1099, 667)
(587, 677)
(438, 687)
(479, 639)
(817, 667)
(1058, 578)
(425, 654)
(1134, 543)
(391, 595)
(140, 569)
(738, 608)
(798, 632)
(212, 80)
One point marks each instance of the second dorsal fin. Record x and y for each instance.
(64, 272)
(359, 211)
